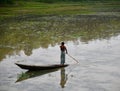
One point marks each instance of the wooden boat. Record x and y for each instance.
(40, 67)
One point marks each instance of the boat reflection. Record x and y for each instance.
(64, 78)
(31, 74)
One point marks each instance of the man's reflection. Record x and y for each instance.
(28, 50)
(63, 78)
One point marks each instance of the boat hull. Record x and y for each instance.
(38, 67)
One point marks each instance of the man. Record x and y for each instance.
(63, 50)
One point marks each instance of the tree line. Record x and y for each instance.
(52, 1)
(2, 2)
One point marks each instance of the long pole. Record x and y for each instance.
(73, 58)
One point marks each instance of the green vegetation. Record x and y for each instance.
(4, 2)
(25, 24)
(50, 1)
(58, 8)
(30, 32)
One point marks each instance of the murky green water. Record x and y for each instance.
(92, 39)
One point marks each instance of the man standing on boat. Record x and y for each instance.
(63, 51)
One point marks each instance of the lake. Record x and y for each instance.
(93, 40)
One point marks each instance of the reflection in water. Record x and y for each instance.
(30, 32)
(28, 49)
(31, 74)
(64, 78)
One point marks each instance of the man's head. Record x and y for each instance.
(62, 43)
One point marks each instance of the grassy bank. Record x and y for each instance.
(61, 8)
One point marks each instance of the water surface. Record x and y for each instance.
(93, 40)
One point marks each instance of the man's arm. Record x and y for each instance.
(66, 50)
